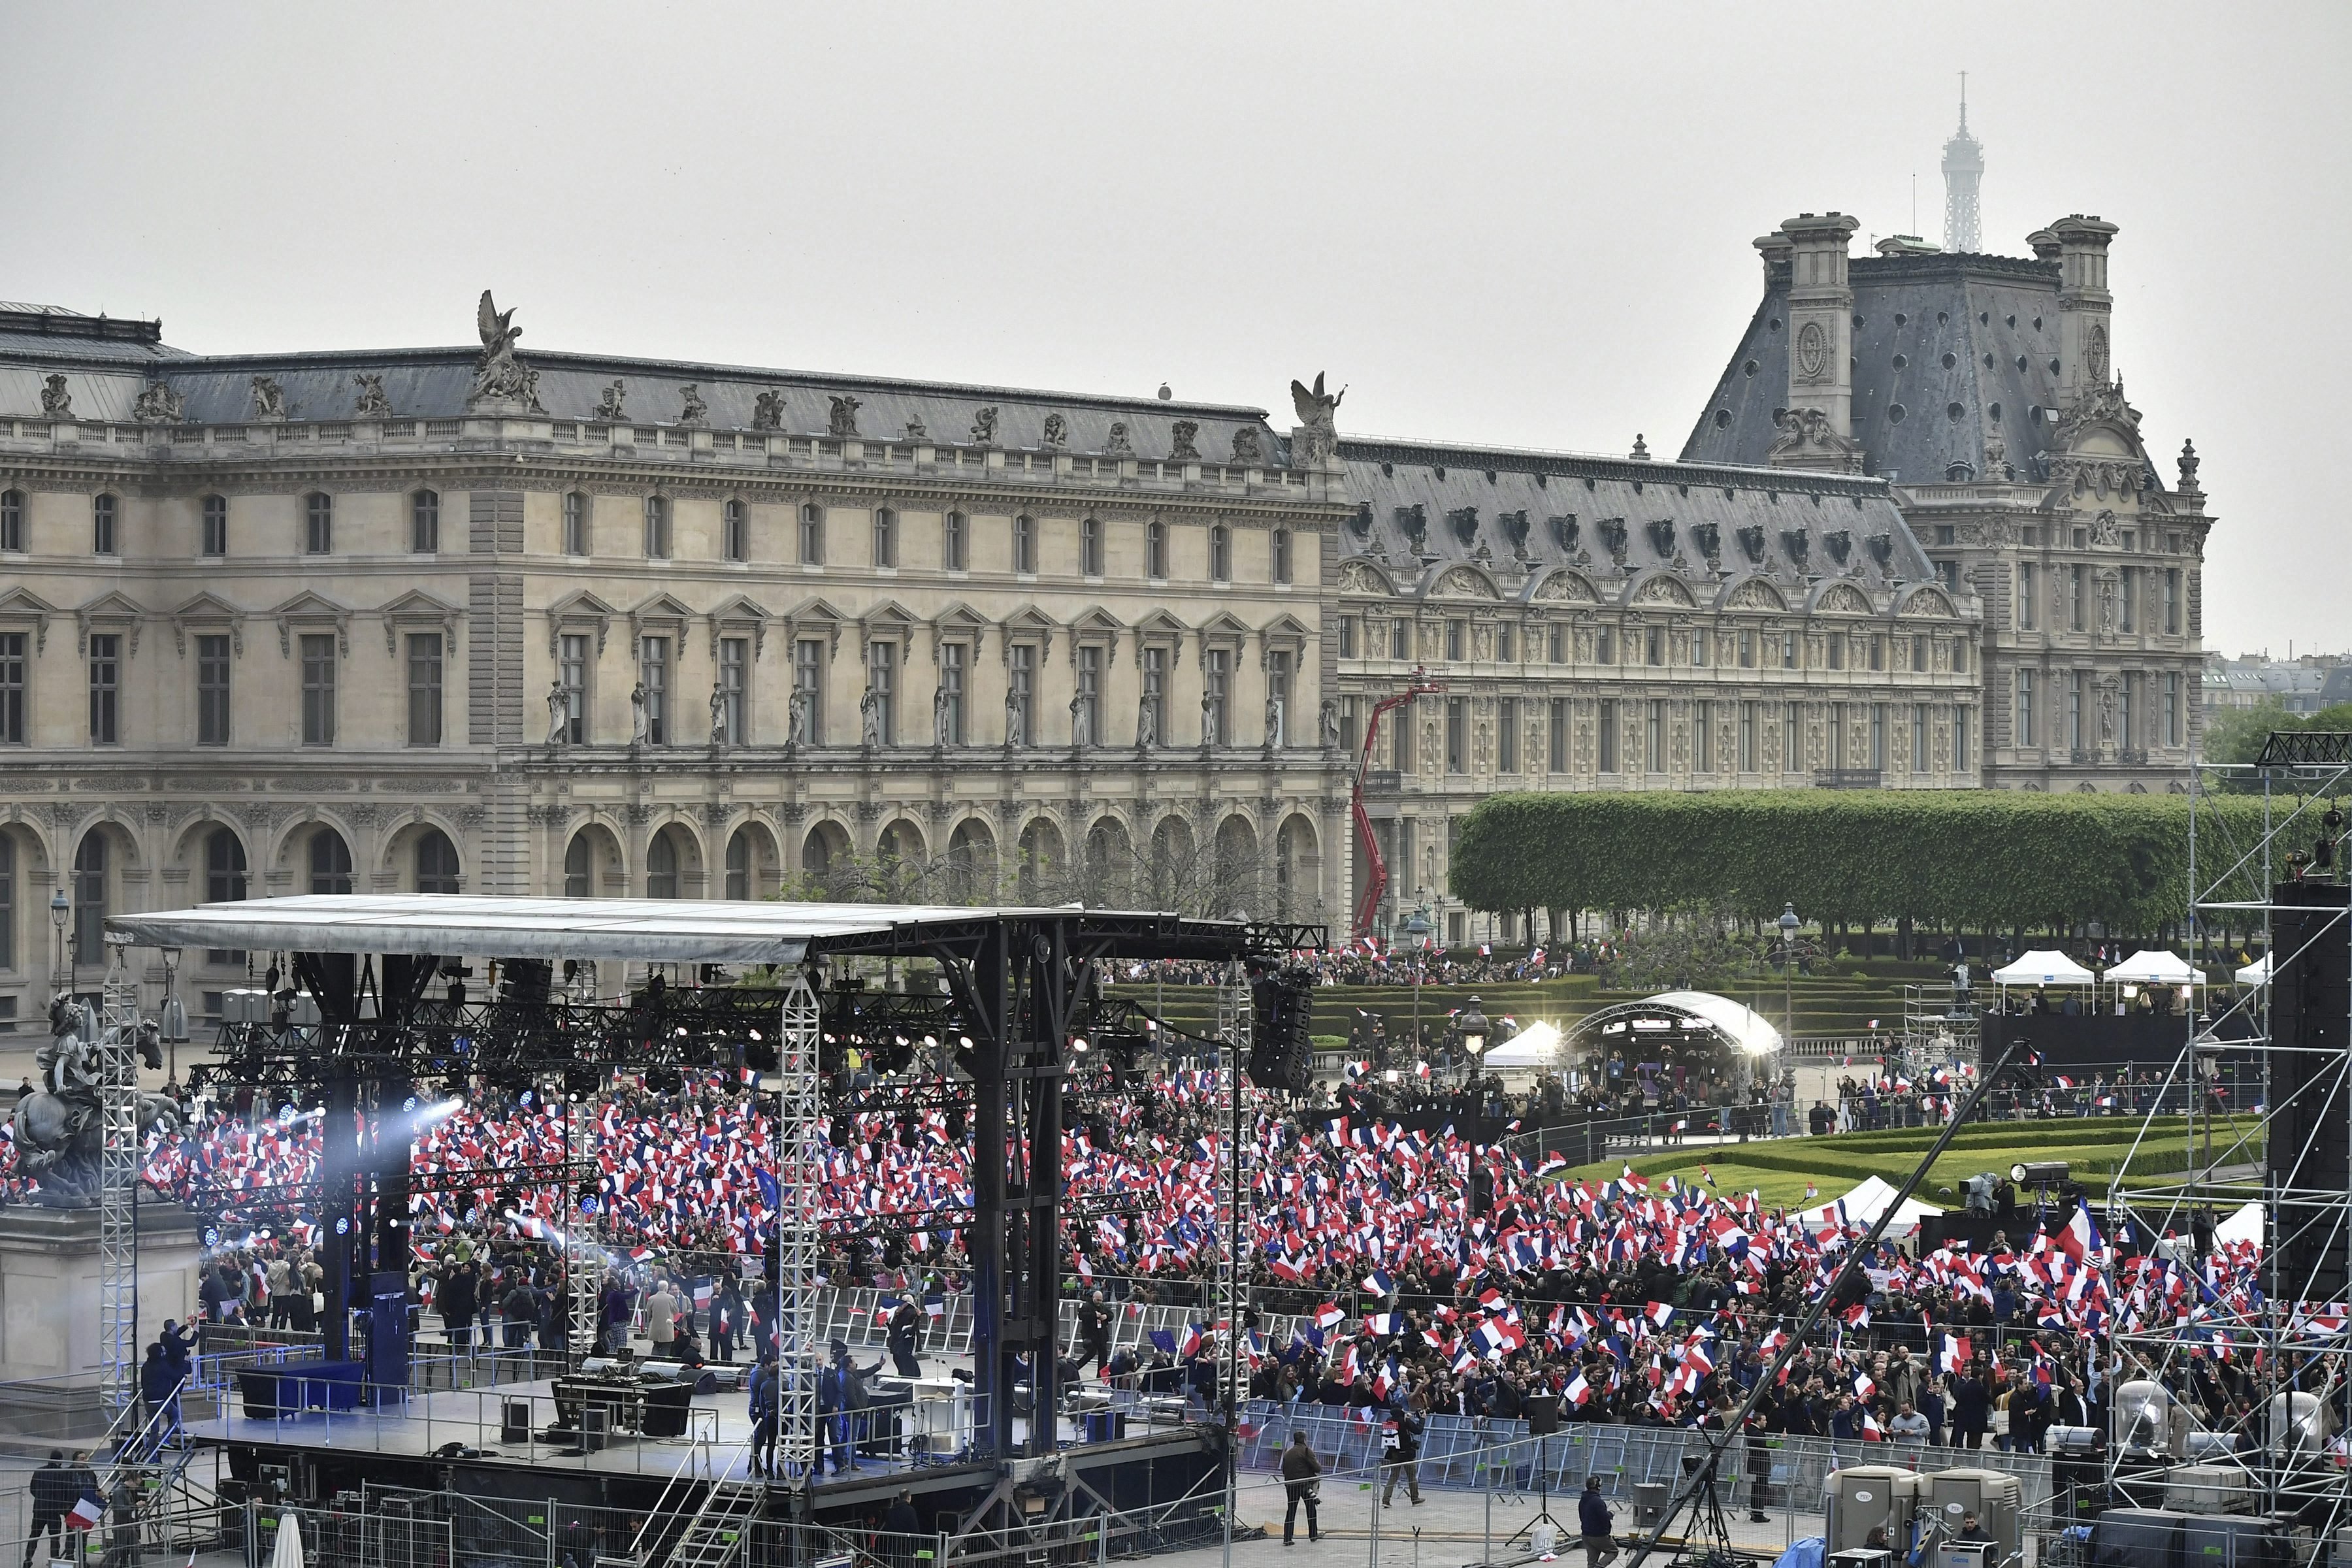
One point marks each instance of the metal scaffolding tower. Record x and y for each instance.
(118, 1201)
(799, 1152)
(1235, 1018)
(2248, 877)
(583, 1212)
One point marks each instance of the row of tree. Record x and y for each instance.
(1985, 859)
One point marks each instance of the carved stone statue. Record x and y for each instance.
(1118, 446)
(768, 411)
(2104, 531)
(2189, 461)
(692, 410)
(158, 404)
(915, 431)
(1807, 441)
(1147, 728)
(2108, 586)
(59, 1127)
(718, 735)
(796, 718)
(1317, 442)
(1180, 437)
(842, 421)
(1057, 431)
(269, 398)
(1247, 453)
(1273, 717)
(1081, 729)
(1208, 717)
(612, 407)
(942, 709)
(1326, 723)
(55, 401)
(2107, 709)
(1013, 727)
(499, 376)
(869, 719)
(640, 718)
(983, 427)
(373, 401)
(559, 714)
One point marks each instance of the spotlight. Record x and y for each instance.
(342, 1225)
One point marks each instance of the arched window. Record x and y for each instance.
(7, 902)
(330, 862)
(661, 867)
(437, 863)
(579, 861)
(738, 865)
(224, 881)
(89, 900)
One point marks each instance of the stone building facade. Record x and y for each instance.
(1982, 389)
(461, 620)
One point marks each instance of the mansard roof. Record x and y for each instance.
(1993, 318)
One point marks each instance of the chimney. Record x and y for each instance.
(1775, 246)
(1820, 317)
(2085, 357)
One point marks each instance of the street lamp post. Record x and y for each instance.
(173, 1020)
(1416, 928)
(1789, 923)
(1471, 1026)
(60, 912)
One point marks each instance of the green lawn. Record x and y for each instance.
(2093, 1148)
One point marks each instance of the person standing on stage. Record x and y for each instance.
(763, 1417)
(661, 1321)
(906, 1333)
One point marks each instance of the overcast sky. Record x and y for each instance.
(1526, 225)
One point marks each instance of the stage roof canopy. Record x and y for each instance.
(641, 930)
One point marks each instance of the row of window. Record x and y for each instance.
(2144, 599)
(215, 725)
(2128, 723)
(735, 541)
(1654, 646)
(1884, 722)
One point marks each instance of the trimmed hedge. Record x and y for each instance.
(1965, 858)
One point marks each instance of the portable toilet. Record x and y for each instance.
(1862, 1497)
(1993, 1496)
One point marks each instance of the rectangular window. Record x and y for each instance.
(2076, 583)
(1747, 758)
(653, 674)
(8, 925)
(11, 521)
(1788, 650)
(2027, 587)
(212, 691)
(1090, 546)
(2131, 696)
(1556, 637)
(1221, 554)
(1653, 736)
(1020, 691)
(103, 514)
(1400, 639)
(425, 689)
(1505, 645)
(425, 523)
(1918, 737)
(1217, 674)
(1087, 718)
(1401, 732)
(1506, 735)
(951, 689)
(215, 542)
(953, 542)
(12, 689)
(1837, 736)
(2172, 601)
(1703, 736)
(1456, 635)
(735, 530)
(1877, 652)
(1948, 573)
(1155, 690)
(1837, 650)
(319, 690)
(1608, 734)
(1281, 555)
(657, 528)
(1654, 647)
(886, 537)
(1346, 636)
(882, 679)
(1277, 687)
(1457, 736)
(572, 669)
(734, 690)
(808, 686)
(1025, 545)
(319, 524)
(105, 690)
(811, 535)
(2074, 710)
(1350, 735)
(1747, 650)
(2128, 610)
(1878, 737)
(575, 524)
(1556, 735)
(1959, 740)
(1918, 656)
(1699, 641)
(1155, 549)
(1792, 739)
(2025, 707)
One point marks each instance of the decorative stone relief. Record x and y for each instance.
(842, 423)
(983, 427)
(371, 402)
(691, 408)
(57, 402)
(158, 404)
(1181, 435)
(612, 407)
(269, 398)
(1058, 432)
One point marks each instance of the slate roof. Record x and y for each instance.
(1976, 338)
(1389, 477)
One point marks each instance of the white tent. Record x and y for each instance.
(2045, 967)
(2149, 967)
(1742, 1025)
(2258, 973)
(2246, 1225)
(1867, 1202)
(1536, 1046)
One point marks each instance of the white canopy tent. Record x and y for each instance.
(1537, 1047)
(2246, 1225)
(1867, 1202)
(2150, 967)
(2044, 966)
(2258, 973)
(1740, 1024)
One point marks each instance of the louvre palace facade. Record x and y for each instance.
(491, 620)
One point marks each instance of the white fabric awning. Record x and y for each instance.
(2258, 973)
(1536, 1046)
(642, 931)
(1742, 1025)
(2150, 967)
(2045, 967)
(1867, 1202)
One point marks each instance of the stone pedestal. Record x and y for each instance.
(50, 1322)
